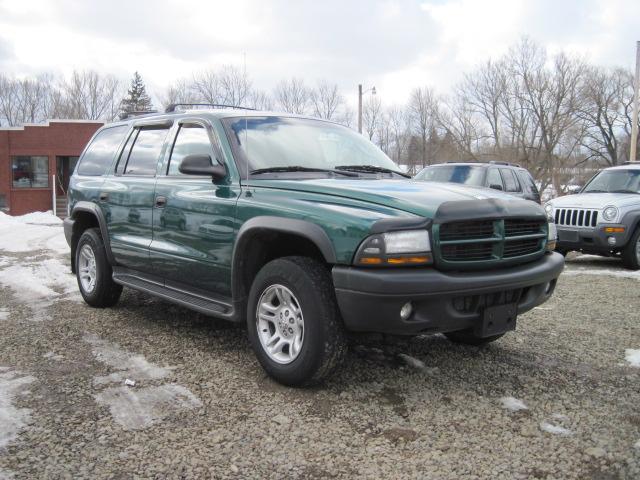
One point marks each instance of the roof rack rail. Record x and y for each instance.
(172, 106)
(136, 113)
(509, 164)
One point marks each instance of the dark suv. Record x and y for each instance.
(302, 229)
(507, 177)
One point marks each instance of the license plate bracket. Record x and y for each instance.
(567, 235)
(496, 320)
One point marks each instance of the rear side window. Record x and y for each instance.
(511, 183)
(145, 152)
(99, 155)
(192, 139)
(527, 182)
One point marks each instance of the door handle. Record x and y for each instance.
(161, 201)
(104, 196)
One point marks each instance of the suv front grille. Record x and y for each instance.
(576, 217)
(479, 242)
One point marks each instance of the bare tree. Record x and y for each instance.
(326, 100)
(371, 115)
(423, 111)
(292, 96)
(89, 95)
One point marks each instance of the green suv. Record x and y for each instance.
(304, 230)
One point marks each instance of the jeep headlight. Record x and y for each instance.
(402, 248)
(610, 213)
(548, 208)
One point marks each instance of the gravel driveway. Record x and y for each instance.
(556, 399)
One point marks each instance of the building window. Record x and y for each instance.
(30, 172)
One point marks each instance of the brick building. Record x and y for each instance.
(29, 157)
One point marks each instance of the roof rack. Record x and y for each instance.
(136, 113)
(172, 106)
(497, 162)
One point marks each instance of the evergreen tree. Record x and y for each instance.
(137, 99)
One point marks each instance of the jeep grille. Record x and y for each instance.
(576, 217)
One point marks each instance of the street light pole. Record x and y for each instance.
(359, 108)
(634, 125)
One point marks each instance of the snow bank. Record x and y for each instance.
(33, 218)
(602, 272)
(12, 419)
(632, 356)
(513, 404)
(32, 232)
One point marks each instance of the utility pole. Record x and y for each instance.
(360, 107)
(634, 125)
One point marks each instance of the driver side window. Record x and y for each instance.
(192, 139)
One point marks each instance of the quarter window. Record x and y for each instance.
(30, 171)
(145, 152)
(99, 155)
(192, 139)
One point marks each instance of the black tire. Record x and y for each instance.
(467, 337)
(106, 292)
(629, 258)
(324, 342)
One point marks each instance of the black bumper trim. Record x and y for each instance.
(370, 300)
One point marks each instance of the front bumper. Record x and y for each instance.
(370, 299)
(592, 239)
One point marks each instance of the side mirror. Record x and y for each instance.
(201, 165)
(495, 186)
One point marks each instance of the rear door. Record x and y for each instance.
(194, 217)
(127, 195)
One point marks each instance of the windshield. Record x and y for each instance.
(614, 181)
(465, 174)
(274, 142)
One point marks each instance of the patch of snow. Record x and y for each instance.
(12, 419)
(602, 272)
(53, 356)
(34, 231)
(513, 404)
(632, 356)
(4, 313)
(637, 444)
(555, 429)
(140, 408)
(39, 218)
(561, 417)
(411, 361)
(126, 364)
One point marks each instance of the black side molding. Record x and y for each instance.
(92, 208)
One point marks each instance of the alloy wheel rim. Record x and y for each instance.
(280, 324)
(87, 269)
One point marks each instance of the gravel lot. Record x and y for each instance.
(202, 408)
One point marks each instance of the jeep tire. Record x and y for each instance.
(631, 252)
(94, 272)
(293, 321)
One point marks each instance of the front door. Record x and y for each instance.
(127, 197)
(194, 218)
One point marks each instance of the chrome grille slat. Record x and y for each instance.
(576, 217)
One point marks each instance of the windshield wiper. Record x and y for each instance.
(595, 191)
(300, 168)
(370, 169)
(623, 191)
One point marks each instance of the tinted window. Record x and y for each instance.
(145, 152)
(100, 153)
(465, 174)
(494, 178)
(527, 182)
(191, 140)
(30, 172)
(510, 181)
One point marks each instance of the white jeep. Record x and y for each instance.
(603, 218)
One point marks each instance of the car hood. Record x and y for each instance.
(419, 198)
(596, 200)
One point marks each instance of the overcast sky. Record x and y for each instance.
(394, 45)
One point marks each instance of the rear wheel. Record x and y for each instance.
(293, 321)
(631, 252)
(467, 337)
(93, 271)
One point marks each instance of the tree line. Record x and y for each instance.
(557, 115)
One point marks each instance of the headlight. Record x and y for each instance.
(552, 236)
(549, 209)
(402, 248)
(610, 213)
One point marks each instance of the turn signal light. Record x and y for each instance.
(408, 260)
(614, 229)
(370, 260)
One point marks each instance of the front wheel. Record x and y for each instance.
(631, 252)
(293, 321)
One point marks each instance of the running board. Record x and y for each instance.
(199, 303)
